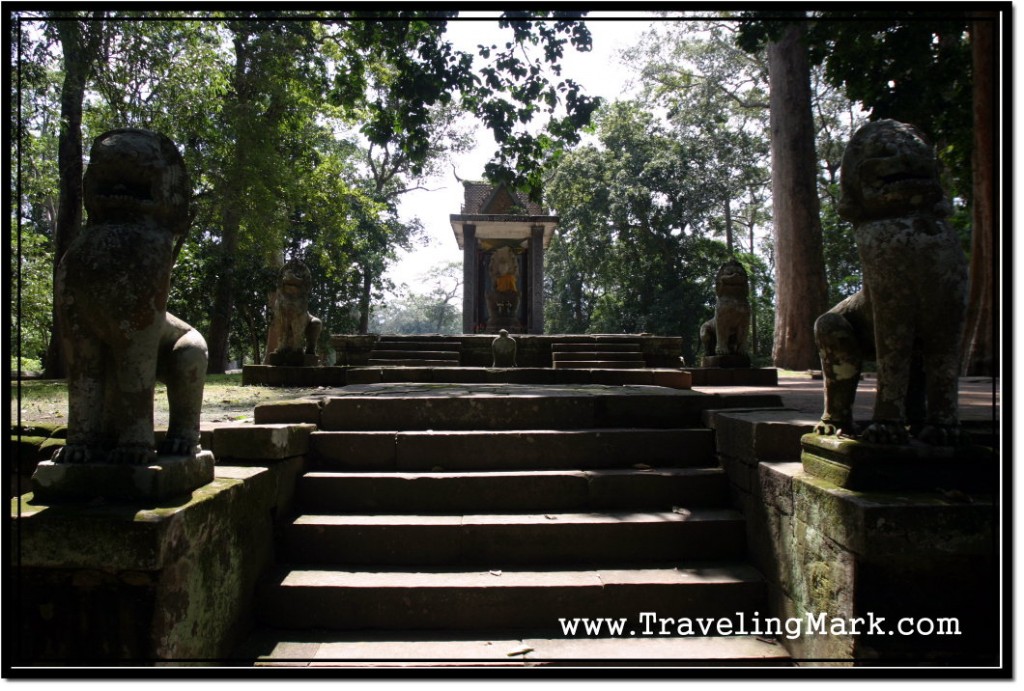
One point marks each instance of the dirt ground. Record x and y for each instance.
(46, 401)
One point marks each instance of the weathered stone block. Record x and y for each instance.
(261, 442)
(673, 379)
(735, 376)
(365, 375)
(628, 377)
(726, 361)
(762, 435)
(104, 583)
(170, 476)
(288, 412)
(400, 375)
(913, 466)
(354, 450)
(885, 523)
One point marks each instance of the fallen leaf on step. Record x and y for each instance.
(642, 466)
(520, 651)
(495, 572)
(550, 517)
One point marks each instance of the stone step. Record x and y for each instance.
(277, 647)
(557, 490)
(598, 363)
(591, 355)
(413, 355)
(505, 540)
(632, 347)
(455, 599)
(582, 449)
(413, 362)
(492, 411)
(446, 346)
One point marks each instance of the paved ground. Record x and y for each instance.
(980, 397)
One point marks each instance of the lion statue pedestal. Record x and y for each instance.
(294, 332)
(724, 337)
(111, 290)
(909, 317)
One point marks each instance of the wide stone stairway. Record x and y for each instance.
(391, 351)
(479, 524)
(597, 355)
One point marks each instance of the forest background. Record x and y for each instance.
(306, 137)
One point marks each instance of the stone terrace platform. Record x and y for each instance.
(980, 399)
(337, 377)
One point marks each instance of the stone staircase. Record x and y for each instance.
(458, 527)
(597, 355)
(390, 351)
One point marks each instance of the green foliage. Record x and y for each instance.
(909, 65)
(439, 311)
(300, 131)
(630, 254)
(842, 263)
(32, 270)
(26, 365)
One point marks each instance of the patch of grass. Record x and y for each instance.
(799, 374)
(41, 389)
(224, 379)
(26, 365)
(224, 399)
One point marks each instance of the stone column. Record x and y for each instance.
(468, 278)
(536, 325)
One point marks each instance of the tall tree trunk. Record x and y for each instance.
(364, 301)
(728, 226)
(80, 41)
(223, 305)
(223, 294)
(980, 355)
(800, 286)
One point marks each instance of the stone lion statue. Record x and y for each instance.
(503, 299)
(293, 330)
(726, 333)
(111, 289)
(909, 317)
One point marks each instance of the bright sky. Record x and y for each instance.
(599, 72)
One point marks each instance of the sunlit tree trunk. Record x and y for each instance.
(800, 286)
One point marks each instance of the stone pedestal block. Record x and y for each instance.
(262, 442)
(292, 358)
(734, 376)
(837, 559)
(170, 476)
(148, 582)
(859, 465)
(732, 360)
